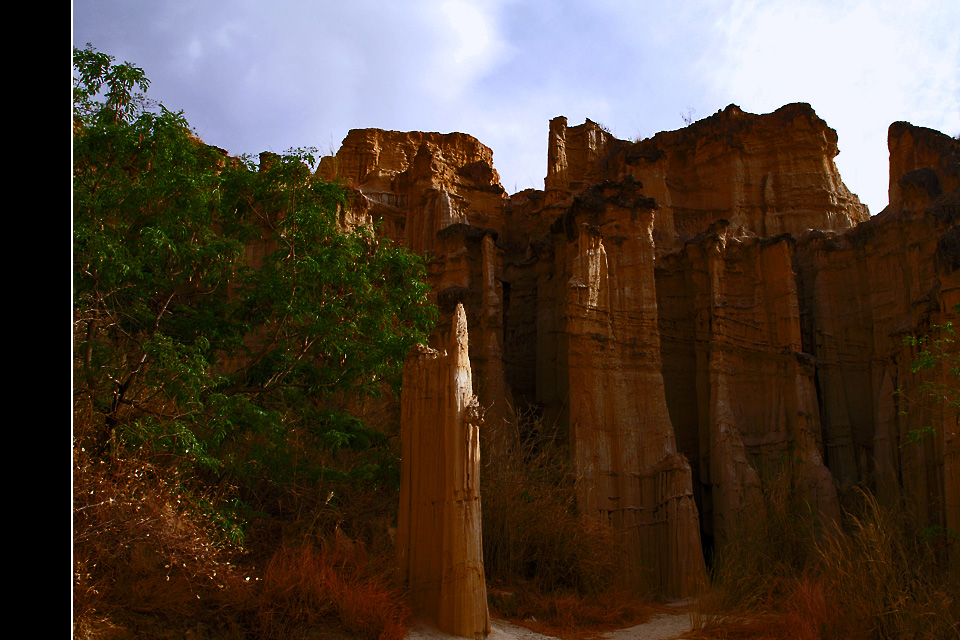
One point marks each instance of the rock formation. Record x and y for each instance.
(439, 549)
(741, 391)
(863, 292)
(767, 174)
(692, 310)
(600, 288)
(439, 195)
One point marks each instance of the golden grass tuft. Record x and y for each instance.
(788, 575)
(306, 586)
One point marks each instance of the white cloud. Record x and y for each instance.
(467, 46)
(861, 65)
(252, 75)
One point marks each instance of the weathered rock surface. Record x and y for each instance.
(767, 174)
(438, 541)
(713, 295)
(415, 184)
(741, 391)
(600, 289)
(439, 195)
(863, 292)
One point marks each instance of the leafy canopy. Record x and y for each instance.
(218, 303)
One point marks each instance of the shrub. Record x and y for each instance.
(872, 576)
(531, 529)
(305, 586)
(550, 568)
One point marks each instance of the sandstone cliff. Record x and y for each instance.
(766, 174)
(741, 391)
(693, 309)
(439, 195)
(864, 291)
(600, 290)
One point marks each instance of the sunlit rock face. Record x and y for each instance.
(605, 355)
(690, 310)
(439, 550)
(439, 195)
(764, 174)
(415, 184)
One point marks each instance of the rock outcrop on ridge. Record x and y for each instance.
(766, 174)
(693, 309)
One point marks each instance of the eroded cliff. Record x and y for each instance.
(691, 310)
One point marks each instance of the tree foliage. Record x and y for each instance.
(219, 302)
(940, 397)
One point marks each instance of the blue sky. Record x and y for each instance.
(252, 76)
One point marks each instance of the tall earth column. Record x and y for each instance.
(438, 542)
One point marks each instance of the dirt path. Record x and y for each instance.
(663, 627)
(669, 626)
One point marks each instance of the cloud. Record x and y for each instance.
(468, 46)
(253, 76)
(861, 65)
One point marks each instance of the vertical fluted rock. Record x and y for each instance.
(893, 277)
(438, 539)
(741, 358)
(607, 363)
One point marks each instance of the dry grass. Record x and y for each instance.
(141, 546)
(150, 562)
(532, 533)
(573, 616)
(305, 587)
(789, 576)
(550, 568)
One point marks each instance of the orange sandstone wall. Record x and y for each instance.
(766, 174)
(691, 308)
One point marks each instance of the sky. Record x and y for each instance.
(254, 76)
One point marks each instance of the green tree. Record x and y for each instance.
(219, 303)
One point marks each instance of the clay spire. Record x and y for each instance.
(438, 531)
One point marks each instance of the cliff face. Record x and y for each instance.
(766, 174)
(416, 184)
(863, 292)
(439, 195)
(742, 392)
(600, 290)
(692, 309)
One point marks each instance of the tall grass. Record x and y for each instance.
(305, 586)
(547, 565)
(790, 575)
(532, 532)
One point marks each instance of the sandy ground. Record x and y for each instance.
(662, 627)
